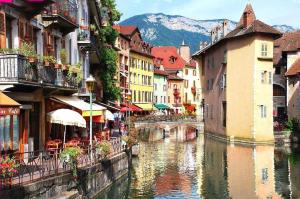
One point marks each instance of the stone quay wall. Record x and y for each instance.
(91, 181)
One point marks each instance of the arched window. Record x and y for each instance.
(278, 91)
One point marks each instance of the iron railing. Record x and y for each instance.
(64, 8)
(16, 68)
(34, 166)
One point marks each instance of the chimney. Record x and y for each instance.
(185, 52)
(248, 16)
(213, 35)
(225, 27)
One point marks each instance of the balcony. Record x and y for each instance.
(31, 8)
(83, 39)
(124, 68)
(62, 15)
(15, 69)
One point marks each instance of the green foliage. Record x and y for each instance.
(28, 50)
(108, 35)
(105, 148)
(9, 51)
(129, 140)
(49, 59)
(292, 125)
(115, 15)
(70, 155)
(76, 69)
(63, 56)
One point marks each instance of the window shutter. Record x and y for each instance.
(29, 32)
(2, 30)
(45, 38)
(21, 32)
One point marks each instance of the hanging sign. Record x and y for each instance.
(9, 111)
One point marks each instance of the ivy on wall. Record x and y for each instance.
(108, 56)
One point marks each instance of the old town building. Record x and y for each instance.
(237, 71)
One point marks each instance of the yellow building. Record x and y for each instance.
(141, 79)
(236, 73)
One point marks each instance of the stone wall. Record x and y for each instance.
(92, 180)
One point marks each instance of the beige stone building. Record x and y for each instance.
(236, 72)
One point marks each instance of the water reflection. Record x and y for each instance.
(183, 166)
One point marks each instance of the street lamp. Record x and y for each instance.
(90, 84)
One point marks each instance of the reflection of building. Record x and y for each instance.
(237, 71)
(253, 168)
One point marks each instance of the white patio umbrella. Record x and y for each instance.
(66, 117)
(109, 115)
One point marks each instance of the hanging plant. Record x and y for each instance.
(70, 156)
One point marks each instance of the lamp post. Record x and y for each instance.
(90, 84)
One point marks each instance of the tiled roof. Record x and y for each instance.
(294, 69)
(288, 42)
(160, 72)
(174, 77)
(166, 53)
(256, 27)
(125, 30)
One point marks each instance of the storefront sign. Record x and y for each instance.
(9, 111)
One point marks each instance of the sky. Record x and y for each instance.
(273, 12)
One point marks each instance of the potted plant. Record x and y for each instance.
(92, 27)
(49, 60)
(70, 156)
(28, 50)
(104, 148)
(63, 58)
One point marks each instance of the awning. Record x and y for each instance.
(145, 107)
(81, 105)
(8, 106)
(110, 107)
(131, 107)
(66, 117)
(161, 106)
(7, 101)
(109, 115)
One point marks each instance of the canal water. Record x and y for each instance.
(184, 166)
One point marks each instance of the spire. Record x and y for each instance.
(248, 16)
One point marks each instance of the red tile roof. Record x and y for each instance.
(166, 53)
(294, 69)
(125, 30)
(160, 72)
(192, 63)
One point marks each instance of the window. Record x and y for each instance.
(164, 99)
(155, 86)
(186, 83)
(263, 77)
(134, 96)
(225, 57)
(224, 105)
(277, 70)
(223, 81)
(270, 77)
(185, 98)
(9, 132)
(264, 49)
(169, 99)
(164, 88)
(155, 99)
(278, 91)
(194, 73)
(161, 99)
(263, 111)
(186, 71)
(264, 174)
(194, 83)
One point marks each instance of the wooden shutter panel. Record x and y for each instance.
(2, 30)
(29, 32)
(21, 31)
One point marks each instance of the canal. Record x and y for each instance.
(184, 166)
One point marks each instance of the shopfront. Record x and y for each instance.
(9, 124)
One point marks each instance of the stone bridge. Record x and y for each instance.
(168, 125)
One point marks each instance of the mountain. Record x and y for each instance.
(284, 28)
(170, 30)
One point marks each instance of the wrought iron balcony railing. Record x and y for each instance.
(16, 69)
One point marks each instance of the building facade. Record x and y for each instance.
(175, 94)
(286, 65)
(237, 71)
(44, 51)
(122, 46)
